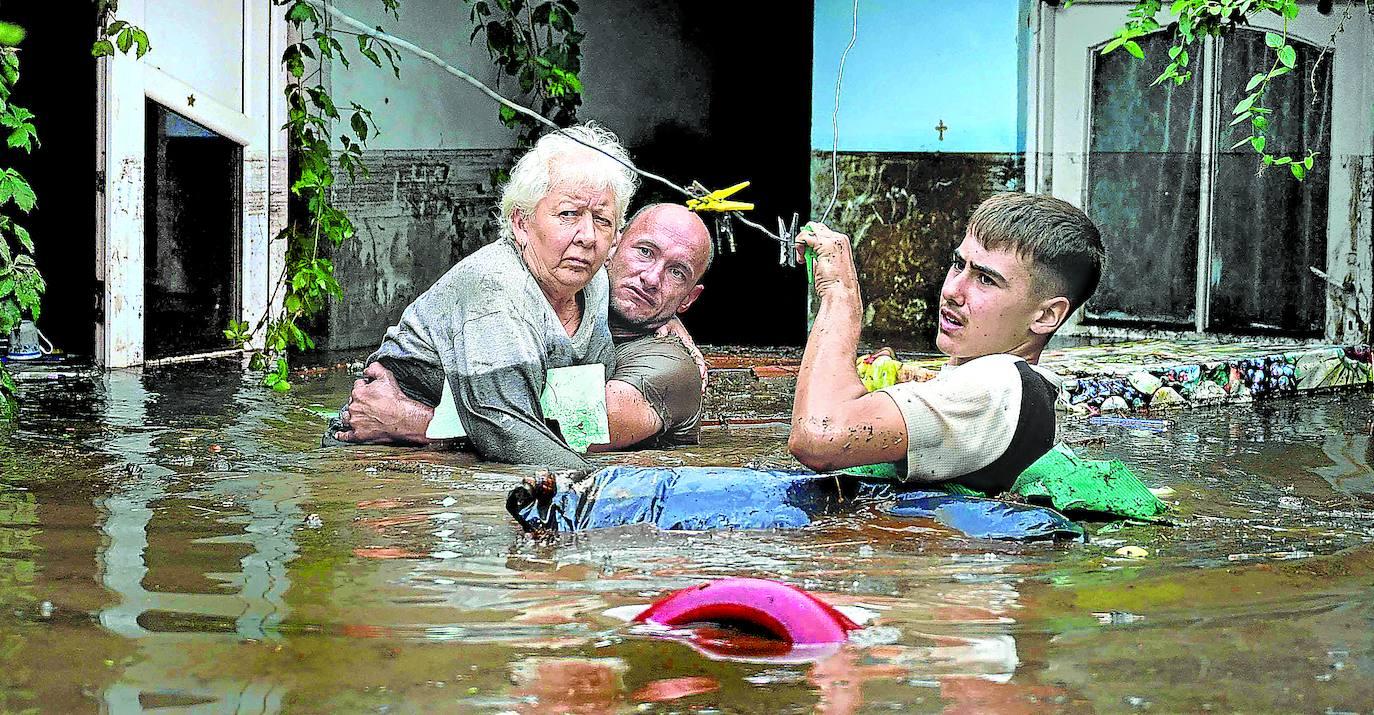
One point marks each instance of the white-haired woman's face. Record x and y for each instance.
(565, 239)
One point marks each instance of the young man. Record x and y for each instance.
(653, 398)
(1025, 264)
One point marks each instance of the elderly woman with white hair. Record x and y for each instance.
(534, 300)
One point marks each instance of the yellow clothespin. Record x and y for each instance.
(715, 200)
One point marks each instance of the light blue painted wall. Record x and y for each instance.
(915, 63)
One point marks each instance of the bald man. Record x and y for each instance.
(653, 399)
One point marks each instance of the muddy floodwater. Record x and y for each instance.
(176, 541)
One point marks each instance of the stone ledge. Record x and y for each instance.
(1143, 375)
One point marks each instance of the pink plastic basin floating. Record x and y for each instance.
(784, 612)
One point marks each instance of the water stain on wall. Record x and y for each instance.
(905, 212)
(417, 213)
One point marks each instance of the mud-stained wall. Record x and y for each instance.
(417, 213)
(905, 212)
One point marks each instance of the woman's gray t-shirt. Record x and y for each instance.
(486, 327)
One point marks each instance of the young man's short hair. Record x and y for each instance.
(1062, 244)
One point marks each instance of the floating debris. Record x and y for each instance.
(1117, 618)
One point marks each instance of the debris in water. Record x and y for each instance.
(1278, 555)
(1133, 423)
(1132, 552)
(385, 553)
(673, 688)
(1117, 618)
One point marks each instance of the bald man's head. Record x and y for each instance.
(657, 265)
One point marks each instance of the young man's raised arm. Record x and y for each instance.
(835, 422)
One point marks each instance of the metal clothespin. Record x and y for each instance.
(787, 246)
(725, 233)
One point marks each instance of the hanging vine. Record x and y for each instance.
(313, 116)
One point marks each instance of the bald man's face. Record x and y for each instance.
(656, 266)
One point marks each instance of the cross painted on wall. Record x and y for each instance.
(941, 128)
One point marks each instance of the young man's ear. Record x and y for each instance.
(1050, 315)
(691, 298)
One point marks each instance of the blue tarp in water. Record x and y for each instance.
(701, 498)
(987, 518)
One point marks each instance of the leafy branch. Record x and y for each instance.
(312, 116)
(117, 34)
(538, 45)
(21, 285)
(1196, 19)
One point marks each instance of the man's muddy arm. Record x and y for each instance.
(631, 418)
(836, 423)
(378, 412)
(675, 328)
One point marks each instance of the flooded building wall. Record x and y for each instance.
(690, 97)
(905, 212)
(1203, 238)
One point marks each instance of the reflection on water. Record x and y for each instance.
(174, 540)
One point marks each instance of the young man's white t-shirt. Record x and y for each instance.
(980, 423)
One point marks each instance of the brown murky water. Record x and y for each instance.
(174, 541)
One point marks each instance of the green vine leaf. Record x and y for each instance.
(141, 39)
(1288, 56)
(13, 187)
(301, 13)
(22, 235)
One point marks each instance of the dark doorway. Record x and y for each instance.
(57, 82)
(191, 235)
(759, 130)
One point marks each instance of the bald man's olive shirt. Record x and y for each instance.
(663, 371)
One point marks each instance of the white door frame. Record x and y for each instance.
(124, 83)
